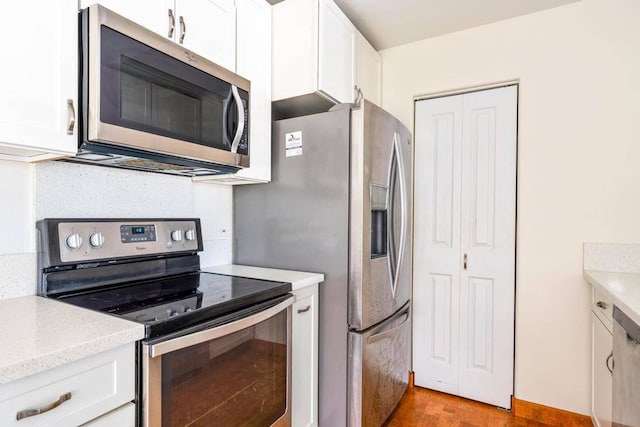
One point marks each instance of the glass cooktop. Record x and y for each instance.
(169, 304)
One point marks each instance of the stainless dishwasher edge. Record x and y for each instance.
(626, 371)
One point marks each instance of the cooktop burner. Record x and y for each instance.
(171, 303)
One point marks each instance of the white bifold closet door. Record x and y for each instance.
(464, 244)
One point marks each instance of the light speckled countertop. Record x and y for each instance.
(298, 279)
(622, 288)
(39, 334)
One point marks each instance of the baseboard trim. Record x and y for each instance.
(548, 415)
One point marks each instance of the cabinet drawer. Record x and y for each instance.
(77, 392)
(603, 308)
(125, 416)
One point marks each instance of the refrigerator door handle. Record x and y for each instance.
(396, 174)
(389, 332)
(403, 199)
(392, 260)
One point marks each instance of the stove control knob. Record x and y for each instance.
(188, 309)
(96, 240)
(74, 241)
(190, 234)
(172, 312)
(176, 235)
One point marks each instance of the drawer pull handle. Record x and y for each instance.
(602, 305)
(304, 310)
(31, 412)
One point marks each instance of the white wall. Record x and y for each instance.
(65, 190)
(578, 162)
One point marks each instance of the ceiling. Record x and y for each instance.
(389, 23)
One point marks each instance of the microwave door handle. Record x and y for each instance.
(226, 117)
(240, 128)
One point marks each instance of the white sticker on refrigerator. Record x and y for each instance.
(293, 143)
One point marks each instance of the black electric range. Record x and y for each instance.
(146, 271)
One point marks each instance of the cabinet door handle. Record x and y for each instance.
(71, 117)
(183, 29)
(464, 261)
(613, 364)
(601, 304)
(31, 412)
(172, 24)
(304, 310)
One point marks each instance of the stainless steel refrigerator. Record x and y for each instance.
(339, 203)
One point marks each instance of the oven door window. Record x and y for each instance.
(238, 379)
(149, 91)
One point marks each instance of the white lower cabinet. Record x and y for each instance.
(304, 372)
(72, 394)
(601, 361)
(125, 416)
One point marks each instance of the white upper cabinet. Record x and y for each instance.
(206, 27)
(38, 89)
(368, 70)
(313, 50)
(152, 14)
(336, 50)
(235, 35)
(253, 62)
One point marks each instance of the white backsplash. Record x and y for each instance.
(16, 208)
(17, 275)
(67, 190)
(617, 257)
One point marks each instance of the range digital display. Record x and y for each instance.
(137, 233)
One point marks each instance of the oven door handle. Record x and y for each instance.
(169, 346)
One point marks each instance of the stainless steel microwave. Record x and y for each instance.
(148, 103)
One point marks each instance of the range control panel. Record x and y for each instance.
(99, 240)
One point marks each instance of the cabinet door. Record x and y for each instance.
(125, 416)
(38, 89)
(336, 53)
(295, 48)
(254, 63)
(208, 27)
(602, 390)
(152, 14)
(368, 70)
(304, 390)
(78, 391)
